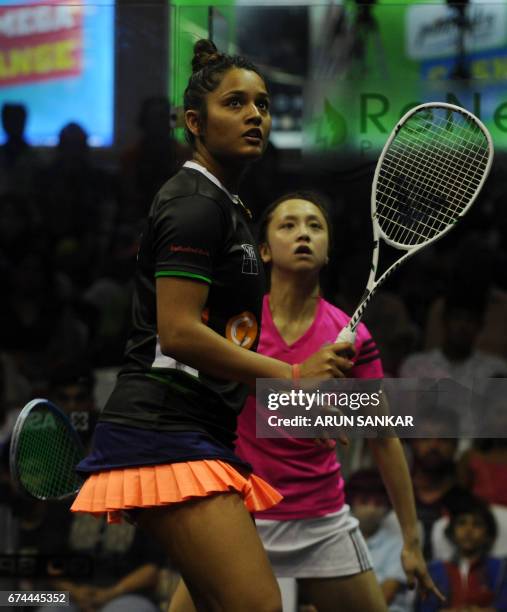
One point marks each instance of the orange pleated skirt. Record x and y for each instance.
(115, 492)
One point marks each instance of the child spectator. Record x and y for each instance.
(473, 581)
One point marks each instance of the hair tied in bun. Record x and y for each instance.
(205, 54)
(214, 57)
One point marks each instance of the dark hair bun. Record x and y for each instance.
(205, 53)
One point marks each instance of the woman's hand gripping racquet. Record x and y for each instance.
(429, 174)
(44, 452)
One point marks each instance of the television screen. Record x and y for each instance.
(57, 59)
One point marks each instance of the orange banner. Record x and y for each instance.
(39, 42)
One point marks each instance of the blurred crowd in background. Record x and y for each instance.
(69, 230)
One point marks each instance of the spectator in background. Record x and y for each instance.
(38, 327)
(19, 163)
(457, 357)
(106, 568)
(492, 335)
(78, 205)
(436, 487)
(390, 324)
(152, 160)
(124, 564)
(14, 393)
(110, 297)
(369, 503)
(20, 227)
(71, 388)
(485, 468)
(459, 360)
(473, 581)
(478, 267)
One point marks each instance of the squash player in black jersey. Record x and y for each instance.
(162, 451)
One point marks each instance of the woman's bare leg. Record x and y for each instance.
(181, 601)
(214, 545)
(356, 593)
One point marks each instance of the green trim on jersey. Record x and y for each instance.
(186, 274)
(166, 380)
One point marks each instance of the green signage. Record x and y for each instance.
(407, 54)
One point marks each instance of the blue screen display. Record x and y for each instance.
(57, 58)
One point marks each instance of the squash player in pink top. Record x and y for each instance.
(311, 535)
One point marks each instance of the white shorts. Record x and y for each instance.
(324, 547)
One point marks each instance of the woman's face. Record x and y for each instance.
(297, 237)
(238, 119)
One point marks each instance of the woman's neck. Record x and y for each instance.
(229, 177)
(293, 298)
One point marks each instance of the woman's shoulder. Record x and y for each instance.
(191, 184)
(190, 198)
(341, 317)
(332, 311)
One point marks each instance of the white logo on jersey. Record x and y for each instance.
(250, 263)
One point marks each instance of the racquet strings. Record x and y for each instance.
(430, 173)
(47, 453)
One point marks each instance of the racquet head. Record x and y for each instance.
(44, 452)
(429, 173)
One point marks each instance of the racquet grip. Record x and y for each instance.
(346, 335)
(296, 372)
